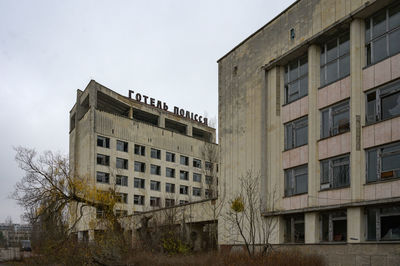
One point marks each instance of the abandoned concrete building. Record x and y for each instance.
(311, 101)
(153, 157)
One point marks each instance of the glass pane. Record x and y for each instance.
(371, 224)
(344, 44)
(325, 227)
(299, 232)
(288, 136)
(331, 72)
(341, 176)
(371, 107)
(339, 230)
(390, 105)
(367, 30)
(379, 24)
(369, 56)
(325, 124)
(394, 42)
(324, 172)
(301, 136)
(293, 74)
(293, 91)
(394, 17)
(301, 184)
(372, 169)
(391, 162)
(285, 78)
(379, 49)
(303, 66)
(340, 122)
(322, 58)
(288, 229)
(344, 66)
(322, 76)
(303, 86)
(331, 50)
(288, 185)
(390, 227)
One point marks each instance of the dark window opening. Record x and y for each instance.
(169, 188)
(296, 133)
(138, 182)
(183, 189)
(140, 150)
(335, 120)
(140, 167)
(111, 105)
(334, 226)
(201, 134)
(296, 79)
(154, 153)
(121, 180)
(169, 172)
(155, 185)
(184, 175)
(145, 117)
(155, 169)
(184, 160)
(102, 177)
(294, 229)
(383, 162)
(122, 163)
(170, 157)
(154, 202)
(196, 191)
(175, 126)
(103, 159)
(296, 180)
(138, 199)
(196, 163)
(103, 142)
(335, 172)
(122, 146)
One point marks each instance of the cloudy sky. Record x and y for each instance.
(167, 49)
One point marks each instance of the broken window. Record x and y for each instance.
(155, 185)
(335, 59)
(183, 189)
(335, 172)
(383, 103)
(138, 199)
(335, 120)
(122, 163)
(196, 163)
(169, 172)
(196, 177)
(296, 180)
(140, 167)
(382, 34)
(154, 201)
(383, 224)
(383, 162)
(140, 150)
(294, 228)
(154, 153)
(103, 142)
(334, 226)
(184, 175)
(170, 157)
(138, 182)
(184, 160)
(121, 180)
(102, 177)
(122, 146)
(196, 191)
(209, 179)
(296, 79)
(208, 193)
(209, 166)
(122, 197)
(296, 133)
(155, 169)
(103, 159)
(170, 188)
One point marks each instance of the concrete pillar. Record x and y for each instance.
(314, 52)
(161, 121)
(355, 225)
(91, 235)
(312, 227)
(357, 61)
(130, 113)
(80, 236)
(189, 130)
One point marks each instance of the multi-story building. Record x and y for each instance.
(13, 234)
(311, 101)
(153, 157)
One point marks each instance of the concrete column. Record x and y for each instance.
(161, 121)
(130, 113)
(314, 53)
(312, 227)
(357, 61)
(355, 225)
(91, 235)
(80, 236)
(189, 130)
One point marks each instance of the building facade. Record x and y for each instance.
(154, 158)
(311, 101)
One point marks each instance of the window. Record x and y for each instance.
(103, 159)
(294, 229)
(155, 185)
(170, 172)
(100, 213)
(122, 163)
(209, 179)
(383, 103)
(183, 189)
(183, 201)
(154, 201)
(121, 180)
(196, 191)
(122, 197)
(296, 133)
(138, 199)
(170, 188)
(184, 160)
(296, 79)
(209, 166)
(335, 172)
(296, 180)
(196, 163)
(184, 175)
(383, 162)
(382, 34)
(121, 213)
(208, 193)
(170, 157)
(138, 183)
(140, 167)
(383, 223)
(122, 146)
(103, 142)
(335, 120)
(155, 169)
(102, 177)
(333, 226)
(196, 177)
(154, 153)
(169, 202)
(335, 59)
(140, 150)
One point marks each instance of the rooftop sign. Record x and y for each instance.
(163, 106)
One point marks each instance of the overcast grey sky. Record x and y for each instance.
(166, 49)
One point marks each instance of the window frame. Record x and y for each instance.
(197, 163)
(198, 176)
(142, 166)
(106, 142)
(378, 165)
(186, 173)
(196, 191)
(291, 174)
(155, 185)
(125, 163)
(155, 153)
(335, 109)
(379, 213)
(121, 197)
(185, 160)
(157, 201)
(140, 199)
(157, 171)
(103, 156)
(185, 191)
(123, 180)
(169, 172)
(170, 157)
(295, 125)
(139, 150)
(124, 144)
(331, 179)
(105, 178)
(169, 187)
(140, 181)
(291, 221)
(332, 217)
(300, 76)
